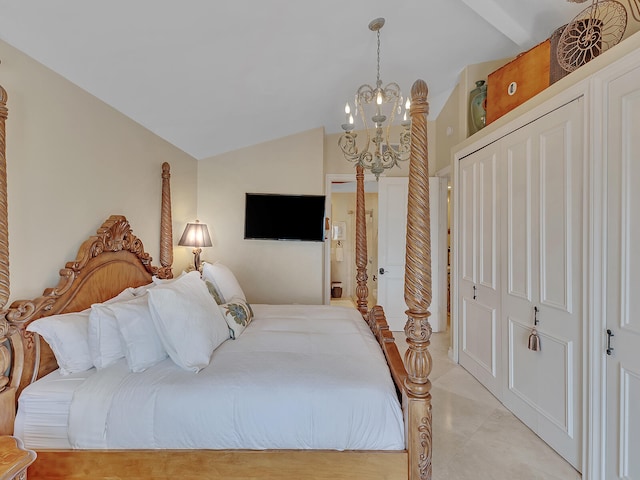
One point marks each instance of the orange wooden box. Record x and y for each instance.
(518, 81)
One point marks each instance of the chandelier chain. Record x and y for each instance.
(378, 81)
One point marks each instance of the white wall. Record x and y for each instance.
(269, 271)
(71, 162)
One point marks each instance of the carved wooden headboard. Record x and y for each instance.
(106, 264)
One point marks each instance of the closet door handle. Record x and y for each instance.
(475, 292)
(609, 347)
(381, 271)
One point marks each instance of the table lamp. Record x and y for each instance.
(196, 235)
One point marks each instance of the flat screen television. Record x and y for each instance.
(271, 216)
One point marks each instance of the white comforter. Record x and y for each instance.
(299, 377)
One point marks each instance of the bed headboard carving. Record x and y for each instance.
(113, 236)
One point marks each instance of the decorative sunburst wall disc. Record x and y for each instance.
(594, 30)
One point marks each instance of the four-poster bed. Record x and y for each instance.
(114, 259)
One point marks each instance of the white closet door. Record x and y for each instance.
(478, 284)
(623, 278)
(542, 270)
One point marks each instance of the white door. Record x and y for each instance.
(623, 278)
(542, 276)
(478, 274)
(392, 236)
(392, 231)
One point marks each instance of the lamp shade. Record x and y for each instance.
(195, 235)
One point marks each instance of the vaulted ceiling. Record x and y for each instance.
(212, 76)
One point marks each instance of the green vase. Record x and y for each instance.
(477, 111)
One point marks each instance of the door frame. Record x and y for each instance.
(329, 179)
(445, 175)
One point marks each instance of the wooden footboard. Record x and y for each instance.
(218, 464)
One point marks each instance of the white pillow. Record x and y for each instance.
(142, 289)
(161, 281)
(188, 321)
(143, 347)
(238, 315)
(105, 342)
(223, 279)
(67, 336)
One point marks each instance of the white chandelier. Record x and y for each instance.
(381, 104)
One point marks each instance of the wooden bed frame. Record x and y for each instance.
(115, 258)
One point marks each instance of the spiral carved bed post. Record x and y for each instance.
(4, 225)
(166, 226)
(362, 290)
(417, 290)
(7, 393)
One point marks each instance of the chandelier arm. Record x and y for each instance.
(365, 94)
(365, 125)
(392, 90)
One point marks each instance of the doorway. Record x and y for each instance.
(340, 263)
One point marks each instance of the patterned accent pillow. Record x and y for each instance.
(215, 292)
(224, 279)
(238, 315)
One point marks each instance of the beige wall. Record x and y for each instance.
(452, 124)
(449, 129)
(72, 161)
(269, 271)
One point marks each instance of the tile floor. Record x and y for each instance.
(474, 435)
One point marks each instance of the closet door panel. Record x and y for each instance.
(561, 269)
(487, 222)
(556, 226)
(479, 335)
(468, 175)
(543, 223)
(519, 250)
(623, 277)
(630, 231)
(528, 371)
(523, 370)
(479, 323)
(556, 382)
